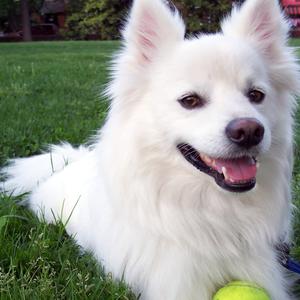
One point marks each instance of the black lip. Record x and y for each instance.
(193, 157)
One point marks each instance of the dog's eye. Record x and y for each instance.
(256, 96)
(191, 101)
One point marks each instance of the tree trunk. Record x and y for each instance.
(26, 27)
(12, 21)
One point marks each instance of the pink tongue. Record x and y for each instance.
(240, 169)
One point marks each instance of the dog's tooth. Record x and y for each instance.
(213, 163)
(208, 159)
(257, 165)
(224, 171)
(203, 157)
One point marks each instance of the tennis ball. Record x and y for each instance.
(241, 290)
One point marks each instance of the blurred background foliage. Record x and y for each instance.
(102, 19)
(94, 19)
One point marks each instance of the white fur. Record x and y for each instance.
(134, 201)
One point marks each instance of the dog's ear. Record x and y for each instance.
(263, 25)
(261, 22)
(152, 27)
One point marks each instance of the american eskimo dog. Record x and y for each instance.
(187, 186)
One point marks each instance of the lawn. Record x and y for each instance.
(51, 92)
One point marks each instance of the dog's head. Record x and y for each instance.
(220, 101)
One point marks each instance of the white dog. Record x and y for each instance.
(170, 195)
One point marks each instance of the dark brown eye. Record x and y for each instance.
(191, 101)
(256, 96)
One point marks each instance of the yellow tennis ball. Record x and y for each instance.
(241, 290)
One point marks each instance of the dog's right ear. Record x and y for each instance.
(151, 28)
(262, 24)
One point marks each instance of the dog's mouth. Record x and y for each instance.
(232, 174)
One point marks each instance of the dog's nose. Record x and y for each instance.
(245, 132)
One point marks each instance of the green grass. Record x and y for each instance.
(50, 92)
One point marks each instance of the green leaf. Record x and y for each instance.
(3, 222)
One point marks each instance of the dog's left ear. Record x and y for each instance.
(261, 23)
(152, 31)
(151, 28)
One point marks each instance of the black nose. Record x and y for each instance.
(245, 132)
